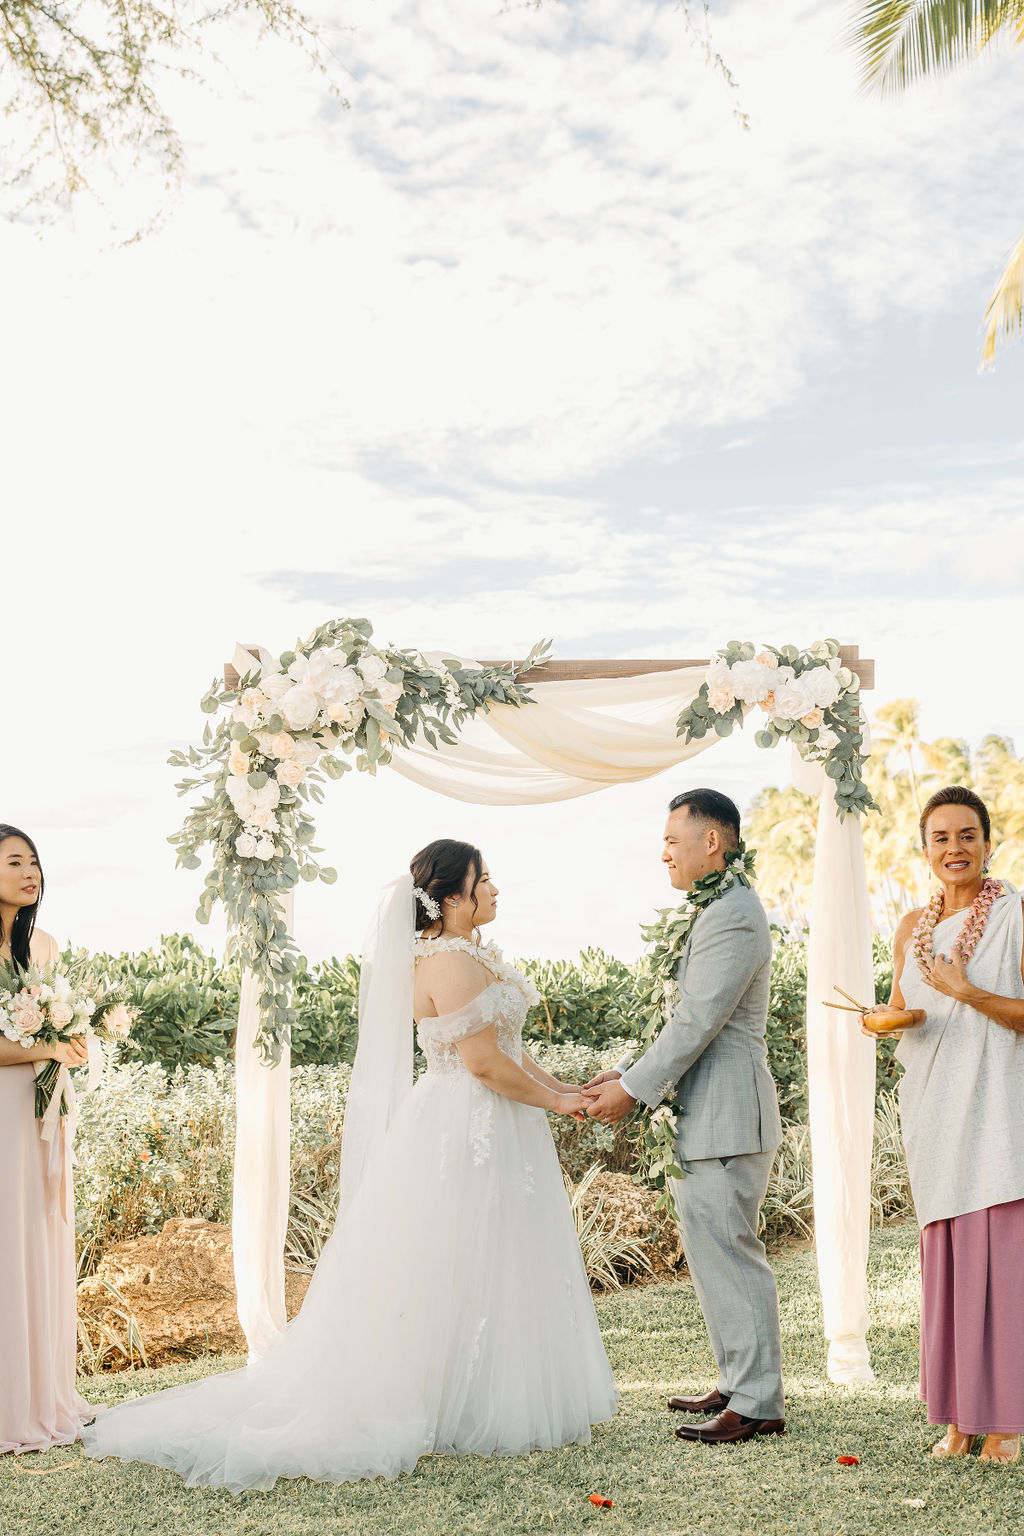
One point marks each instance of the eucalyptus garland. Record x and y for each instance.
(334, 702)
(658, 998)
(809, 698)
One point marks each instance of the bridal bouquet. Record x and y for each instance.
(42, 1005)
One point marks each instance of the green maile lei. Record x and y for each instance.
(658, 998)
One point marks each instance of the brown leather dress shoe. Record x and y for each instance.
(712, 1402)
(728, 1428)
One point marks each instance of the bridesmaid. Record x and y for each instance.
(39, 1406)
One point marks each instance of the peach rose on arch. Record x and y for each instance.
(290, 774)
(721, 700)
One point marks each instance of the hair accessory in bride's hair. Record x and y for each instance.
(428, 903)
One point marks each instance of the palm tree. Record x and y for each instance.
(896, 732)
(1001, 784)
(901, 41)
(782, 824)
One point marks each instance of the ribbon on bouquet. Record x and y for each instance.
(57, 1131)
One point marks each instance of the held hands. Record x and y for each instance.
(71, 1053)
(606, 1100)
(569, 1102)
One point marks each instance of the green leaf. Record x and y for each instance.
(257, 780)
(328, 875)
(309, 873)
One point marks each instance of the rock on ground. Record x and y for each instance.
(180, 1286)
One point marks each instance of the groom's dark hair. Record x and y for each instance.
(711, 805)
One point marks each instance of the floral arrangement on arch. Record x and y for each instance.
(335, 702)
(809, 697)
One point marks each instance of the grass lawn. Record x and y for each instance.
(660, 1487)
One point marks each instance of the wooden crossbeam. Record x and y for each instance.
(577, 671)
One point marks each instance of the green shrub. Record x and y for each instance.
(188, 1008)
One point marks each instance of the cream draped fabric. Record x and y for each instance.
(574, 739)
(259, 1211)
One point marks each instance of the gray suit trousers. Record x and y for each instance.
(719, 1203)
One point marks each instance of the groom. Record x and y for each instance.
(711, 1059)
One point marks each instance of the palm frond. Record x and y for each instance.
(1005, 312)
(900, 41)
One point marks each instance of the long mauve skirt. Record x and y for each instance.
(972, 1320)
(39, 1404)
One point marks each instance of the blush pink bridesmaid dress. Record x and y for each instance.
(39, 1406)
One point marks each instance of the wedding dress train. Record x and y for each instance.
(450, 1311)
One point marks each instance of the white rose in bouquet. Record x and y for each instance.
(117, 1021)
(61, 1013)
(290, 774)
(299, 706)
(245, 845)
(752, 681)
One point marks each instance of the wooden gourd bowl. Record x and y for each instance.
(884, 1019)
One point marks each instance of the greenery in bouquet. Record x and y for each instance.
(334, 702)
(56, 1003)
(809, 697)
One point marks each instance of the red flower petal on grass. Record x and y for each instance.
(848, 1461)
(600, 1501)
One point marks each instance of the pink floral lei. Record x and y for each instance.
(970, 933)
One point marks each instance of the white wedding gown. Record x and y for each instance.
(460, 1322)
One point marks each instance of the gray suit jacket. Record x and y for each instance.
(710, 1058)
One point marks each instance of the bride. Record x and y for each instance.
(450, 1310)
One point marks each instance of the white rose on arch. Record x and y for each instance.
(313, 671)
(389, 694)
(265, 848)
(263, 818)
(299, 706)
(827, 739)
(752, 681)
(276, 685)
(823, 685)
(373, 669)
(719, 678)
(793, 699)
(245, 845)
(343, 686)
(305, 753)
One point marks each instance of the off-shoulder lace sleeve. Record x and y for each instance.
(474, 1016)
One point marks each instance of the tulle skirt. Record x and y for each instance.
(450, 1312)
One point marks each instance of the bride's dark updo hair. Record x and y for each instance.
(441, 869)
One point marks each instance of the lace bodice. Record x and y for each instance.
(504, 1003)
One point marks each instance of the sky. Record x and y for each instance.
(531, 338)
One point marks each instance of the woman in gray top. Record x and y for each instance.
(960, 959)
